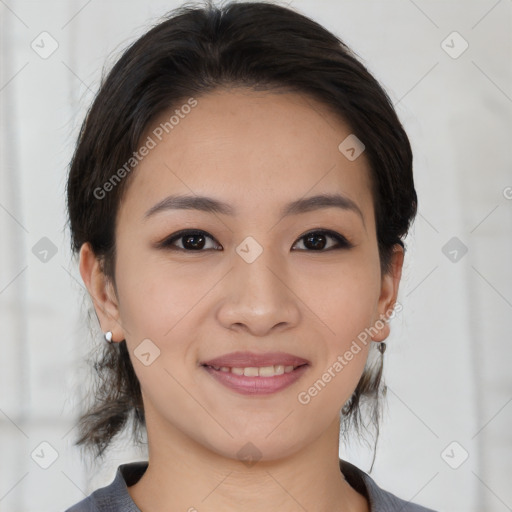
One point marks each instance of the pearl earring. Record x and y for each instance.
(108, 336)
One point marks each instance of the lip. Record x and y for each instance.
(246, 359)
(246, 385)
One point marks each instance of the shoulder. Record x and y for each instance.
(113, 497)
(380, 499)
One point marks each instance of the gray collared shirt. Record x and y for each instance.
(115, 497)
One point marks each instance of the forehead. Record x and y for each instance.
(252, 149)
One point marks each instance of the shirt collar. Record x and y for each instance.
(130, 473)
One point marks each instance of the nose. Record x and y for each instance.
(258, 297)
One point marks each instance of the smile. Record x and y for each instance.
(252, 373)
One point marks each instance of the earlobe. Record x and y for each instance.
(389, 293)
(101, 291)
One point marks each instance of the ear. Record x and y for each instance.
(389, 292)
(101, 291)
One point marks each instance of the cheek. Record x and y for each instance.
(154, 297)
(156, 306)
(343, 298)
(344, 305)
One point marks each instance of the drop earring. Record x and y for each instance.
(382, 347)
(108, 336)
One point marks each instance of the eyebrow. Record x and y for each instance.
(211, 205)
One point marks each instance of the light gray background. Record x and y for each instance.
(449, 356)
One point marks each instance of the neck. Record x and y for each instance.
(184, 475)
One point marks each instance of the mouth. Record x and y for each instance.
(256, 374)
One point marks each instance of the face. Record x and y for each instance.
(254, 282)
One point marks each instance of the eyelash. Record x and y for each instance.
(342, 242)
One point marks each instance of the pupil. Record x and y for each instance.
(188, 239)
(316, 245)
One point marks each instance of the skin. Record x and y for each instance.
(256, 151)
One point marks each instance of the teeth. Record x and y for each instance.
(252, 371)
(270, 371)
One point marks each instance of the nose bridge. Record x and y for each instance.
(258, 269)
(258, 296)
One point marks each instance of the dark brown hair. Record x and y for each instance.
(193, 51)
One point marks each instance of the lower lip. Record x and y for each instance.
(256, 385)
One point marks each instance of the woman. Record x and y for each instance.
(238, 198)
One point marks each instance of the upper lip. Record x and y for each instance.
(251, 359)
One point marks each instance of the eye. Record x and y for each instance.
(191, 240)
(196, 241)
(318, 240)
